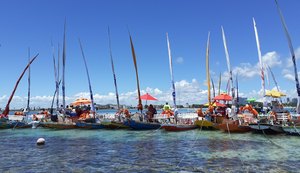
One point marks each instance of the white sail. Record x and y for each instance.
(228, 63)
(260, 59)
(171, 71)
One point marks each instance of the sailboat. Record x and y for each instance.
(137, 121)
(4, 119)
(94, 123)
(117, 122)
(293, 129)
(179, 124)
(261, 126)
(206, 123)
(60, 121)
(236, 125)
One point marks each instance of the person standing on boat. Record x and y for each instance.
(167, 107)
(200, 112)
(151, 111)
(176, 115)
(228, 112)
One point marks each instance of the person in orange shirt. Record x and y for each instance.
(200, 113)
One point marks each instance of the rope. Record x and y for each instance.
(15, 125)
(271, 140)
(192, 145)
(268, 138)
(296, 130)
(233, 143)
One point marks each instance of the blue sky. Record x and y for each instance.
(36, 23)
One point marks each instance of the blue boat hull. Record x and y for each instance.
(84, 125)
(142, 125)
(9, 125)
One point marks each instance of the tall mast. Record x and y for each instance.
(113, 70)
(136, 73)
(28, 99)
(64, 66)
(58, 79)
(219, 91)
(213, 87)
(207, 69)
(228, 63)
(276, 84)
(293, 55)
(171, 72)
(237, 90)
(6, 110)
(260, 59)
(89, 81)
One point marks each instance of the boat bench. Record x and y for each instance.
(282, 117)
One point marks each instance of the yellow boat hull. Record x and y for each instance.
(205, 124)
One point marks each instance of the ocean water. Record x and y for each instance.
(146, 151)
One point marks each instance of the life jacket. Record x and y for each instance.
(200, 113)
(126, 112)
(18, 113)
(168, 113)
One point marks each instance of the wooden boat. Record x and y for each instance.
(58, 125)
(4, 118)
(111, 124)
(178, 127)
(139, 125)
(85, 125)
(206, 124)
(262, 128)
(14, 124)
(234, 127)
(278, 128)
(292, 130)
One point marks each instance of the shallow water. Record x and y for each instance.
(146, 151)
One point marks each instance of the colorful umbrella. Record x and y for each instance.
(274, 94)
(81, 101)
(216, 104)
(147, 97)
(223, 96)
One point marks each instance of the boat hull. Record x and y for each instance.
(58, 126)
(178, 127)
(262, 128)
(17, 125)
(206, 125)
(84, 125)
(142, 125)
(234, 128)
(292, 130)
(277, 128)
(114, 125)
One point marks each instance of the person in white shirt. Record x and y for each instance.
(228, 112)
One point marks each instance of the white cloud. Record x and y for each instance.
(246, 70)
(271, 59)
(186, 92)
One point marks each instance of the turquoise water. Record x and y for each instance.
(146, 151)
